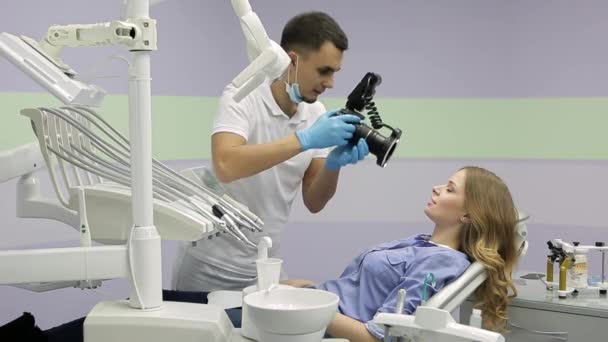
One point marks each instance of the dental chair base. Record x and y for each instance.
(174, 321)
(432, 324)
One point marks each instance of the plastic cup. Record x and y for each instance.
(269, 272)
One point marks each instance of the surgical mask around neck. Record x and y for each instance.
(293, 90)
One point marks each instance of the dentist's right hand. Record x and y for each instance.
(329, 130)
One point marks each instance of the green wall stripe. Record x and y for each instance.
(539, 128)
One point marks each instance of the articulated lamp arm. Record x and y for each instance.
(268, 59)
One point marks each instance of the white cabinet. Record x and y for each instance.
(538, 315)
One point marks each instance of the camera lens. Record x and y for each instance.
(380, 146)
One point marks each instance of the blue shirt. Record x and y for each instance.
(370, 283)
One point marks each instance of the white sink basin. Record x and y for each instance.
(282, 313)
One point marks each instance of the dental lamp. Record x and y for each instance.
(41, 61)
(37, 61)
(268, 59)
(361, 99)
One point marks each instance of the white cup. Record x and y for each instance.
(269, 272)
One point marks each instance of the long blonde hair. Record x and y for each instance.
(489, 238)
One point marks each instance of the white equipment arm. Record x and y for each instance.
(454, 294)
(19, 161)
(432, 324)
(133, 33)
(268, 59)
(63, 264)
(23, 161)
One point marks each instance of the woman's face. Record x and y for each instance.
(446, 206)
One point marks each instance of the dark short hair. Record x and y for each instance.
(310, 30)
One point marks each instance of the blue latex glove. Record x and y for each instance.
(329, 130)
(347, 154)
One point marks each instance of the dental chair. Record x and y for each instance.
(433, 321)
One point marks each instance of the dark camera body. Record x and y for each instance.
(360, 99)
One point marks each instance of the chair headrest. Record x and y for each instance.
(453, 294)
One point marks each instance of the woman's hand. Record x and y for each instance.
(297, 282)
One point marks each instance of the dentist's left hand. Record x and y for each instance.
(346, 154)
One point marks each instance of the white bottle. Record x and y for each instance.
(578, 271)
(475, 320)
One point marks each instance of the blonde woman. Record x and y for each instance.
(475, 220)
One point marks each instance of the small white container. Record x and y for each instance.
(578, 272)
(475, 320)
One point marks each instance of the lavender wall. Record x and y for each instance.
(443, 48)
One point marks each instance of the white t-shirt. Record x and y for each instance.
(225, 262)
